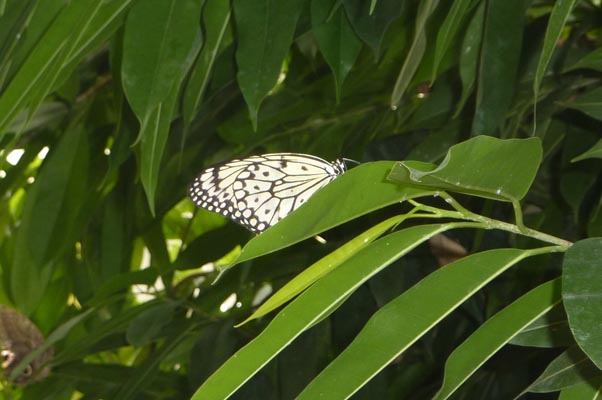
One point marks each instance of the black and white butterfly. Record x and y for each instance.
(259, 191)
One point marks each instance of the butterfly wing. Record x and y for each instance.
(18, 337)
(259, 191)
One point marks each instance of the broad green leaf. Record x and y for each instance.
(50, 217)
(153, 137)
(560, 14)
(570, 368)
(265, 30)
(593, 60)
(588, 390)
(589, 103)
(482, 166)
(159, 37)
(216, 23)
(32, 17)
(495, 333)
(12, 25)
(79, 27)
(39, 72)
(106, 17)
(582, 295)
(400, 323)
(500, 55)
(448, 31)
(469, 56)
(357, 192)
(593, 152)
(370, 21)
(550, 330)
(315, 303)
(322, 267)
(338, 43)
(147, 325)
(416, 52)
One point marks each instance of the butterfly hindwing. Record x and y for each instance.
(259, 191)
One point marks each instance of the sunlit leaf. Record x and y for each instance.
(265, 29)
(506, 168)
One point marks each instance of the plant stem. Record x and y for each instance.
(490, 223)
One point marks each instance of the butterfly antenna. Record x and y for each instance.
(349, 160)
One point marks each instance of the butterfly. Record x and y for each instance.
(18, 337)
(259, 191)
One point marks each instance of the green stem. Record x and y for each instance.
(490, 223)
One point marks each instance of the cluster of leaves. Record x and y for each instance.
(109, 108)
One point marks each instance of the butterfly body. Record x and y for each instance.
(259, 191)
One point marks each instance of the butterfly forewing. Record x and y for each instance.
(259, 191)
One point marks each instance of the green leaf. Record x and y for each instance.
(110, 325)
(265, 31)
(30, 16)
(593, 152)
(570, 368)
(147, 325)
(210, 246)
(469, 56)
(38, 74)
(500, 55)
(574, 186)
(123, 281)
(448, 31)
(416, 52)
(336, 39)
(495, 333)
(589, 103)
(560, 14)
(582, 295)
(593, 60)
(506, 168)
(145, 374)
(400, 323)
(315, 303)
(159, 36)
(594, 227)
(50, 217)
(371, 192)
(153, 137)
(589, 390)
(371, 21)
(79, 27)
(216, 18)
(322, 267)
(550, 330)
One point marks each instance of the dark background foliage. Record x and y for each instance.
(108, 109)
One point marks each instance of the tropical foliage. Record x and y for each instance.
(461, 258)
